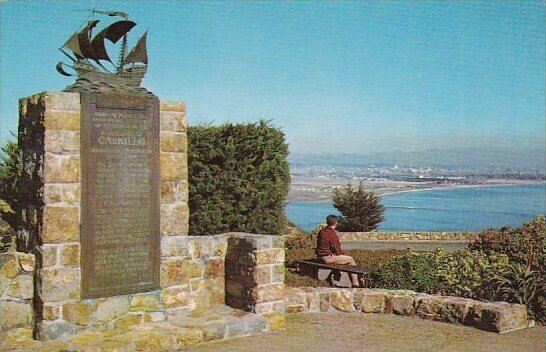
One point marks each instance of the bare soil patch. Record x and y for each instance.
(337, 332)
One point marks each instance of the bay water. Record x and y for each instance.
(456, 209)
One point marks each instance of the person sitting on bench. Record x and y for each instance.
(329, 250)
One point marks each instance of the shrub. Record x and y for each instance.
(238, 178)
(520, 284)
(526, 248)
(360, 210)
(467, 273)
(463, 273)
(10, 172)
(411, 271)
(523, 245)
(7, 233)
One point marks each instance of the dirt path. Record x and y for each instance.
(338, 332)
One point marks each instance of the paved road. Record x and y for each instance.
(355, 332)
(415, 245)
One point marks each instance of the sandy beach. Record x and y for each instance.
(319, 189)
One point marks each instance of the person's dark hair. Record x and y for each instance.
(331, 220)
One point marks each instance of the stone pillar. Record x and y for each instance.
(255, 273)
(50, 220)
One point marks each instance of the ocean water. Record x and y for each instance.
(460, 209)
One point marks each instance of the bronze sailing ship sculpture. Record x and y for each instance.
(89, 58)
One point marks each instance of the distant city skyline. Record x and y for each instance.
(337, 77)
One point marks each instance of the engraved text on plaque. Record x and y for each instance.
(120, 194)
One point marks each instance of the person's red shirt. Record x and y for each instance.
(328, 243)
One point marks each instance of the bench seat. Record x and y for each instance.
(336, 275)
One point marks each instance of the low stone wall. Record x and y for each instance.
(405, 236)
(255, 273)
(16, 290)
(494, 316)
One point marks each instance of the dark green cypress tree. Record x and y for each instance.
(360, 210)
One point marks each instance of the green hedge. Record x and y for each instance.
(238, 178)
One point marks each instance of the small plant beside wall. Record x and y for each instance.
(520, 284)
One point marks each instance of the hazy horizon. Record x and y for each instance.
(337, 77)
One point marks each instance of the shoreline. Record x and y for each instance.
(435, 188)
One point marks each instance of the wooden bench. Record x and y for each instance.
(335, 274)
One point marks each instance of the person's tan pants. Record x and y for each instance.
(342, 260)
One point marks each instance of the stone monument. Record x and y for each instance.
(104, 219)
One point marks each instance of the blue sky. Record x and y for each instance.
(352, 77)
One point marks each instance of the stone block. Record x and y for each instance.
(341, 300)
(174, 246)
(262, 275)
(269, 256)
(21, 287)
(62, 101)
(51, 312)
(176, 296)
(15, 315)
(179, 271)
(294, 308)
(19, 339)
(59, 284)
(107, 309)
(49, 255)
(324, 298)
(55, 330)
(455, 309)
(61, 192)
(250, 242)
(214, 267)
(128, 320)
(499, 317)
(61, 168)
(144, 302)
(4, 284)
(277, 274)
(173, 166)
(174, 191)
(27, 262)
(173, 142)
(429, 307)
(76, 312)
(154, 317)
(373, 302)
(174, 121)
(188, 336)
(266, 293)
(295, 296)
(70, 254)
(174, 219)
(62, 141)
(60, 224)
(255, 324)
(235, 328)
(215, 330)
(84, 340)
(313, 301)
(166, 105)
(219, 246)
(9, 267)
(276, 321)
(62, 120)
(403, 305)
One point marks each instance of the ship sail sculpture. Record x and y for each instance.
(89, 57)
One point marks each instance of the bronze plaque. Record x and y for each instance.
(120, 194)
